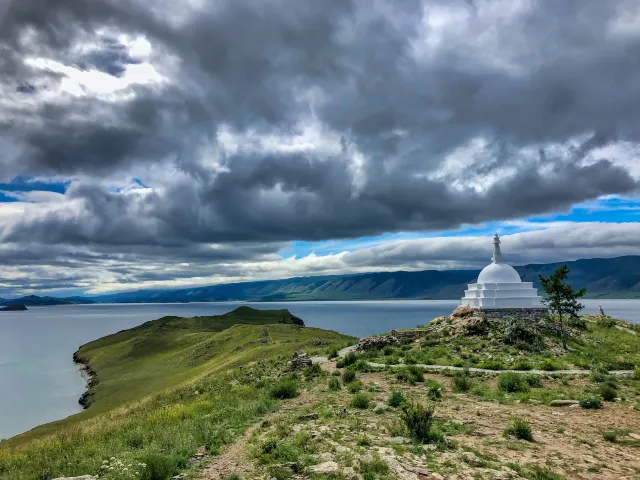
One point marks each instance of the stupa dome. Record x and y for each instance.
(499, 286)
(499, 273)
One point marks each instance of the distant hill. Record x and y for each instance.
(602, 277)
(36, 301)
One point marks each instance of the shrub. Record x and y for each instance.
(534, 381)
(360, 400)
(354, 387)
(512, 382)
(332, 353)
(312, 371)
(590, 401)
(380, 409)
(636, 373)
(577, 322)
(491, 365)
(462, 382)
(521, 332)
(361, 366)
(158, 467)
(598, 376)
(334, 384)
(610, 436)
(374, 468)
(520, 429)
(522, 365)
(396, 399)
(410, 374)
(409, 360)
(435, 389)
(349, 359)
(348, 376)
(284, 389)
(418, 420)
(549, 365)
(605, 322)
(608, 392)
(388, 350)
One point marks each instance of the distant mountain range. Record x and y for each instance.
(602, 277)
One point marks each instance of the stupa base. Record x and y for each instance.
(536, 313)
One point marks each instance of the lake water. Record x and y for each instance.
(39, 382)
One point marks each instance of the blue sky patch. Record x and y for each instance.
(611, 210)
(25, 184)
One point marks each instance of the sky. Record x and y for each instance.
(163, 144)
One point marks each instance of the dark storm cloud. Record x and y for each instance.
(110, 57)
(395, 96)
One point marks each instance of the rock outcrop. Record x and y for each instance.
(86, 399)
(299, 361)
(395, 337)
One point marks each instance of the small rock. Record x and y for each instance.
(434, 476)
(418, 470)
(325, 467)
(309, 416)
(635, 436)
(400, 440)
(470, 458)
(325, 457)
(484, 432)
(564, 403)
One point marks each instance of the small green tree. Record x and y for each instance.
(561, 298)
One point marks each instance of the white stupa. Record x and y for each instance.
(500, 286)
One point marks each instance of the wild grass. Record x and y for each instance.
(165, 389)
(520, 429)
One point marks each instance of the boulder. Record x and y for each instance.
(325, 467)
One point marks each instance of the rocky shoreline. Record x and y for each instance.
(89, 376)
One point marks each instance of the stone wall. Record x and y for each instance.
(521, 313)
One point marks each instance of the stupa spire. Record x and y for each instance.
(497, 254)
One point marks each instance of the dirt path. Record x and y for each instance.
(235, 457)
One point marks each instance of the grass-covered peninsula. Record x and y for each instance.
(213, 398)
(164, 389)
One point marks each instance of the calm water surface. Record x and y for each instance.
(39, 383)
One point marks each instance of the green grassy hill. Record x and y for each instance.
(162, 353)
(166, 388)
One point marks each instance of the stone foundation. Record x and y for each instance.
(521, 313)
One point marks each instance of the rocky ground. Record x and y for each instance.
(321, 435)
